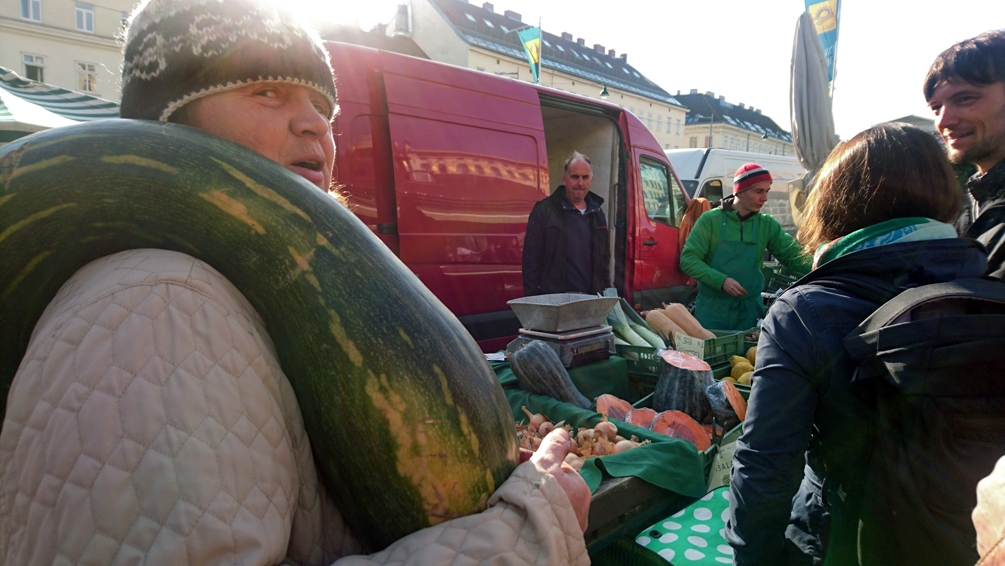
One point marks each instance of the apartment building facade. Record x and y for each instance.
(66, 43)
(713, 122)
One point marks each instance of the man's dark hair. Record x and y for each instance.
(979, 60)
(574, 157)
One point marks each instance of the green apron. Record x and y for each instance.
(716, 309)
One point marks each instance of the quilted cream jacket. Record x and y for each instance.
(149, 423)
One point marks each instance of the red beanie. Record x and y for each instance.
(749, 175)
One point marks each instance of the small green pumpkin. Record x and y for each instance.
(539, 370)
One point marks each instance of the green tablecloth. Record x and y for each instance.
(669, 463)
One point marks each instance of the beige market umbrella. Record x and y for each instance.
(812, 116)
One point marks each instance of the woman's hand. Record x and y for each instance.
(551, 456)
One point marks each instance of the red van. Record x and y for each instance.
(444, 164)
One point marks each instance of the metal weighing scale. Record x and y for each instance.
(574, 347)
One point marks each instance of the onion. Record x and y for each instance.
(535, 443)
(545, 428)
(623, 446)
(535, 419)
(603, 447)
(619, 438)
(584, 436)
(608, 429)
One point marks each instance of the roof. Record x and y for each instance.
(706, 108)
(376, 38)
(60, 101)
(482, 27)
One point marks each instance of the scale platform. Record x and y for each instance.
(574, 347)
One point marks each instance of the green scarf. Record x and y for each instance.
(886, 232)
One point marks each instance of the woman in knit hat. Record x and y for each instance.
(725, 251)
(150, 422)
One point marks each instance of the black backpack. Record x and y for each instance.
(931, 367)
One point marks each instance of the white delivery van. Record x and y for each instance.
(708, 172)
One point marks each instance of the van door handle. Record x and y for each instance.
(649, 243)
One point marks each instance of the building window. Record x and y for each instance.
(693, 142)
(125, 20)
(87, 77)
(649, 122)
(659, 123)
(85, 17)
(34, 67)
(678, 125)
(631, 109)
(31, 10)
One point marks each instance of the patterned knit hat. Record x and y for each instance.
(180, 50)
(749, 175)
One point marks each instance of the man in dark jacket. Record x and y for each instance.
(566, 248)
(965, 88)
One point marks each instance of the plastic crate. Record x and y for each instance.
(641, 360)
(643, 365)
(726, 344)
(776, 282)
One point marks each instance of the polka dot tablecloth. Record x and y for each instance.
(694, 535)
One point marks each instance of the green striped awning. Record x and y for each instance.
(60, 101)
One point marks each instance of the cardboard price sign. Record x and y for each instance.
(689, 345)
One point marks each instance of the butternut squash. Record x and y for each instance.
(679, 315)
(660, 322)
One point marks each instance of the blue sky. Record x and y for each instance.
(743, 49)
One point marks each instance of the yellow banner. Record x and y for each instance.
(824, 15)
(533, 48)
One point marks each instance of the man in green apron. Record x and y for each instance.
(725, 251)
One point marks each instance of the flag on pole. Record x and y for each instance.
(826, 19)
(531, 39)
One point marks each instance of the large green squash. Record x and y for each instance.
(408, 424)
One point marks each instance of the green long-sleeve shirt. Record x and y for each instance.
(704, 239)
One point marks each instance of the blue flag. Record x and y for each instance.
(826, 18)
(531, 39)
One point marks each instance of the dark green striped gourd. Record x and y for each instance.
(408, 424)
(539, 370)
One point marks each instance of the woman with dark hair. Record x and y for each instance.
(880, 213)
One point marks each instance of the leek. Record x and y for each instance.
(648, 334)
(619, 323)
(639, 325)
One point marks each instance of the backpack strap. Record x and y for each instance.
(960, 324)
(872, 289)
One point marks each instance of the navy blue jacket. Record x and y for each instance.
(987, 196)
(793, 482)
